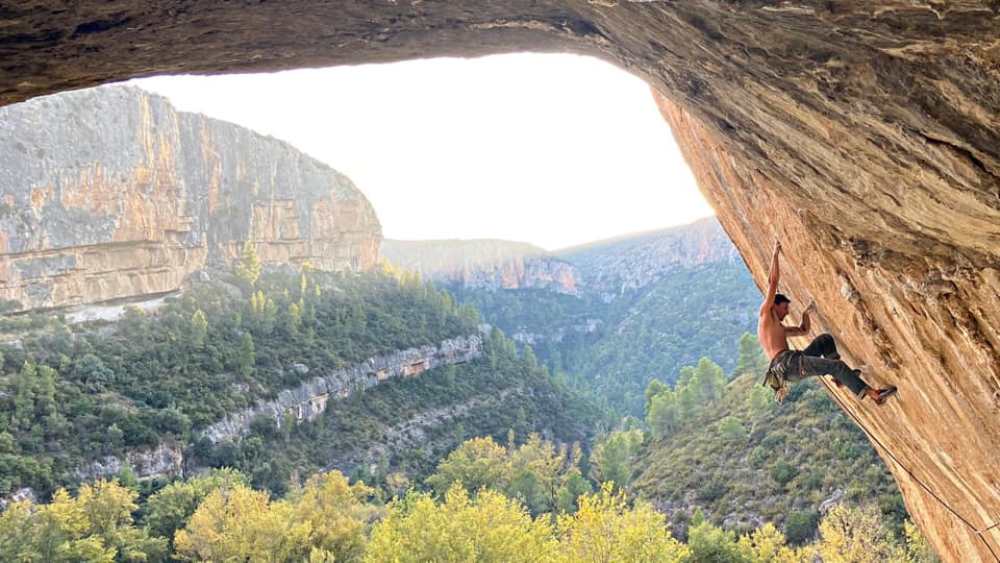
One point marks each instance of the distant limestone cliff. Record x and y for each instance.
(622, 264)
(609, 267)
(112, 193)
(483, 264)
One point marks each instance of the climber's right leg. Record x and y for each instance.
(844, 375)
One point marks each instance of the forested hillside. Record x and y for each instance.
(642, 307)
(727, 449)
(81, 401)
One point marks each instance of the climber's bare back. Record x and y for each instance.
(771, 334)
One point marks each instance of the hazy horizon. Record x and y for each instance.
(552, 150)
(611, 238)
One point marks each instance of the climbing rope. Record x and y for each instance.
(979, 533)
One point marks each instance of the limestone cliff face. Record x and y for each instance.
(112, 193)
(865, 134)
(309, 400)
(624, 264)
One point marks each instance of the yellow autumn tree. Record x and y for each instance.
(606, 529)
(489, 528)
(248, 267)
(767, 545)
(238, 524)
(95, 526)
(336, 514)
(476, 464)
(323, 521)
(856, 535)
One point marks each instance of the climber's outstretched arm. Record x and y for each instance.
(772, 281)
(805, 325)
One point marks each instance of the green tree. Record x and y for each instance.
(246, 357)
(663, 414)
(654, 388)
(708, 381)
(709, 543)
(760, 400)
(613, 457)
(199, 329)
(294, 319)
(476, 464)
(168, 509)
(248, 267)
(751, 358)
(732, 428)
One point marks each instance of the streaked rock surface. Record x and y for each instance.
(111, 193)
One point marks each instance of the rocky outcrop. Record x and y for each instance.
(483, 264)
(865, 134)
(310, 399)
(165, 460)
(111, 193)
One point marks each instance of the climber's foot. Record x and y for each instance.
(883, 394)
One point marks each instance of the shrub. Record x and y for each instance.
(783, 472)
(800, 526)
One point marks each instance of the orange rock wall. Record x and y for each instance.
(930, 330)
(111, 193)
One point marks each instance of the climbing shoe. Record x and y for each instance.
(884, 394)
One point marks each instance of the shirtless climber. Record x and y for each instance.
(819, 358)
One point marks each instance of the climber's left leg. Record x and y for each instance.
(812, 365)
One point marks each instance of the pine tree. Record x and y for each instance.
(248, 268)
(247, 357)
(199, 329)
(751, 358)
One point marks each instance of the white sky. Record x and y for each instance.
(554, 150)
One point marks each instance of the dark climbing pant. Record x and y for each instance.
(818, 359)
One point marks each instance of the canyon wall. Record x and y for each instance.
(112, 193)
(865, 134)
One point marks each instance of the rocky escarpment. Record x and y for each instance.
(111, 193)
(864, 133)
(165, 460)
(310, 400)
(303, 403)
(483, 264)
